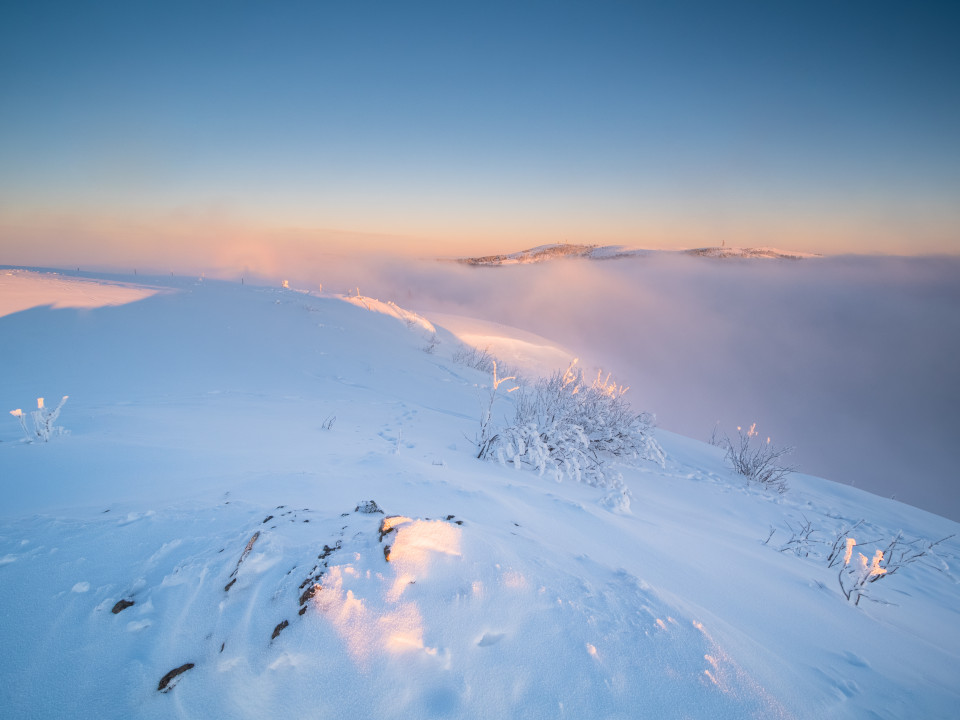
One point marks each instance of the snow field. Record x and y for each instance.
(199, 483)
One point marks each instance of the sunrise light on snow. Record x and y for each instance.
(479, 360)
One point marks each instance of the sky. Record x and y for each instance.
(225, 133)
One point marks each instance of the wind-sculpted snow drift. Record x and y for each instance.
(203, 544)
(453, 622)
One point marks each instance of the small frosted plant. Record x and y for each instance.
(758, 460)
(473, 357)
(854, 577)
(488, 434)
(43, 419)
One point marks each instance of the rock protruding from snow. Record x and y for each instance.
(167, 681)
(368, 507)
(122, 605)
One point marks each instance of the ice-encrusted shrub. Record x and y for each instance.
(42, 419)
(568, 427)
(476, 358)
(855, 574)
(853, 577)
(489, 434)
(899, 552)
(757, 460)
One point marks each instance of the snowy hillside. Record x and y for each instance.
(544, 253)
(267, 503)
(540, 253)
(749, 253)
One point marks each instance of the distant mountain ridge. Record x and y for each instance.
(543, 253)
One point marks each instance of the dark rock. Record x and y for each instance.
(384, 529)
(165, 685)
(121, 606)
(309, 593)
(249, 547)
(327, 550)
(278, 629)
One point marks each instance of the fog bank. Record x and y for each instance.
(850, 359)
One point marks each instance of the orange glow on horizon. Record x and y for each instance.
(226, 242)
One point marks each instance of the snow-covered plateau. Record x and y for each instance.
(258, 502)
(555, 251)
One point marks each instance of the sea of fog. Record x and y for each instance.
(852, 360)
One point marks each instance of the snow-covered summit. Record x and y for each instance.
(268, 504)
(541, 253)
(749, 253)
(544, 253)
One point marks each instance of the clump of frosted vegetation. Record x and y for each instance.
(856, 574)
(42, 419)
(900, 552)
(566, 426)
(755, 459)
(476, 358)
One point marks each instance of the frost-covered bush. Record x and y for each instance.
(489, 434)
(476, 358)
(42, 419)
(855, 571)
(566, 426)
(855, 576)
(757, 460)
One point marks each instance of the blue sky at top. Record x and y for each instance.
(466, 126)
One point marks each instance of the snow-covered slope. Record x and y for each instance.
(22, 289)
(201, 544)
(543, 253)
(749, 253)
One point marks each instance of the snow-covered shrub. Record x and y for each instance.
(757, 460)
(854, 577)
(856, 574)
(566, 426)
(899, 553)
(801, 542)
(716, 439)
(476, 358)
(43, 419)
(489, 435)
